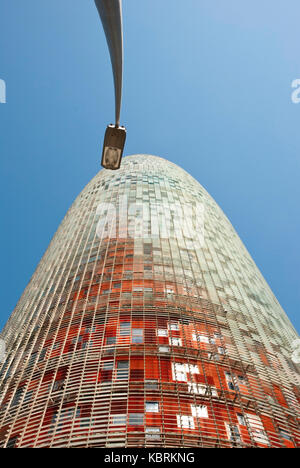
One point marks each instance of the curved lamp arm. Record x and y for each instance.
(110, 12)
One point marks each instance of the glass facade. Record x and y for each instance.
(147, 324)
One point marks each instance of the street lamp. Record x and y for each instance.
(110, 12)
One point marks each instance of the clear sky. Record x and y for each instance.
(207, 86)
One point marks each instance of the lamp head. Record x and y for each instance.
(113, 147)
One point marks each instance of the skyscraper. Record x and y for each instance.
(147, 323)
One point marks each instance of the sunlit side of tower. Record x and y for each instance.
(147, 324)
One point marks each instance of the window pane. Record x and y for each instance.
(111, 340)
(152, 407)
(119, 419)
(153, 433)
(162, 332)
(151, 384)
(199, 411)
(137, 339)
(136, 419)
(125, 328)
(122, 365)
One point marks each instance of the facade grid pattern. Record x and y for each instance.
(134, 333)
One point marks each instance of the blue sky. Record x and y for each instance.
(207, 85)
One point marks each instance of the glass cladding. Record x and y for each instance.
(147, 324)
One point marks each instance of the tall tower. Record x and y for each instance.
(147, 324)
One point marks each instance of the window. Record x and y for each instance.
(270, 399)
(174, 326)
(260, 436)
(153, 433)
(87, 344)
(58, 385)
(242, 379)
(151, 385)
(147, 249)
(136, 419)
(77, 339)
(199, 411)
(43, 354)
(108, 365)
(32, 359)
(230, 384)
(137, 335)
(233, 432)
(118, 419)
(162, 332)
(285, 434)
(152, 407)
(66, 416)
(110, 340)
(192, 369)
(12, 443)
(213, 356)
(186, 422)
(17, 397)
(175, 341)
(122, 370)
(28, 396)
(164, 349)
(179, 372)
(241, 419)
(125, 328)
(87, 422)
(257, 429)
(200, 338)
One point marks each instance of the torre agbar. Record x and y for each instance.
(148, 324)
